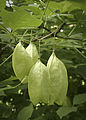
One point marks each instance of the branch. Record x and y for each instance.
(51, 34)
(54, 33)
(7, 46)
(6, 60)
(6, 30)
(60, 27)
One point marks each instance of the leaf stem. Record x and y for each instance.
(31, 36)
(39, 49)
(10, 87)
(73, 45)
(21, 39)
(43, 4)
(6, 60)
(5, 29)
(80, 53)
(54, 32)
(72, 30)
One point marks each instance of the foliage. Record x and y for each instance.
(49, 24)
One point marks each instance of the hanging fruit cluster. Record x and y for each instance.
(23, 60)
(46, 84)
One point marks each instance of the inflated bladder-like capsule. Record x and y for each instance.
(38, 83)
(33, 53)
(58, 82)
(23, 59)
(21, 62)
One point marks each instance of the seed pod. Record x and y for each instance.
(33, 53)
(21, 62)
(38, 83)
(58, 82)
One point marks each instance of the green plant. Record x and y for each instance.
(49, 24)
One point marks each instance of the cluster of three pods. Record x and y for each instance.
(46, 84)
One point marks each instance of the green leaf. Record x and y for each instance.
(64, 6)
(5, 111)
(64, 111)
(79, 99)
(6, 88)
(67, 101)
(25, 113)
(19, 19)
(39, 118)
(2, 93)
(38, 83)
(81, 69)
(58, 83)
(79, 35)
(36, 11)
(10, 78)
(6, 82)
(2, 4)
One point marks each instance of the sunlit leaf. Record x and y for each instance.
(19, 19)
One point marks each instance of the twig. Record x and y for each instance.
(51, 34)
(74, 46)
(6, 60)
(60, 27)
(12, 87)
(80, 53)
(11, 34)
(23, 35)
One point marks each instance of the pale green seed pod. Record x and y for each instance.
(38, 83)
(33, 53)
(21, 63)
(58, 83)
